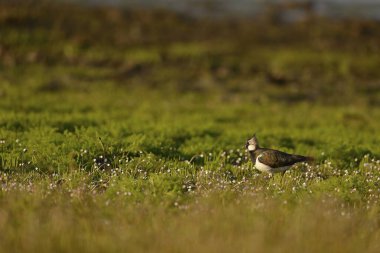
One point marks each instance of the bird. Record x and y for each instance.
(271, 160)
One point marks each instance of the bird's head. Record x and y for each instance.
(252, 143)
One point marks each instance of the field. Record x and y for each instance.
(124, 131)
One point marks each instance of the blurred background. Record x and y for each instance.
(288, 9)
(292, 51)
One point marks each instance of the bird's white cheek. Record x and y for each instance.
(251, 147)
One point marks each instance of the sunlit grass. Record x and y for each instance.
(129, 136)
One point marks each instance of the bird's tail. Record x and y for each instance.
(302, 158)
(308, 159)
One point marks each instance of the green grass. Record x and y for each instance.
(136, 143)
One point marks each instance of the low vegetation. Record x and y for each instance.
(124, 130)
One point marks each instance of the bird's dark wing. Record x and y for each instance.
(276, 159)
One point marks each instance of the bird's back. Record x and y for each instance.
(276, 158)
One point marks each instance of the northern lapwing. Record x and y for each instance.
(270, 160)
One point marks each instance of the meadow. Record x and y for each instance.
(125, 130)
